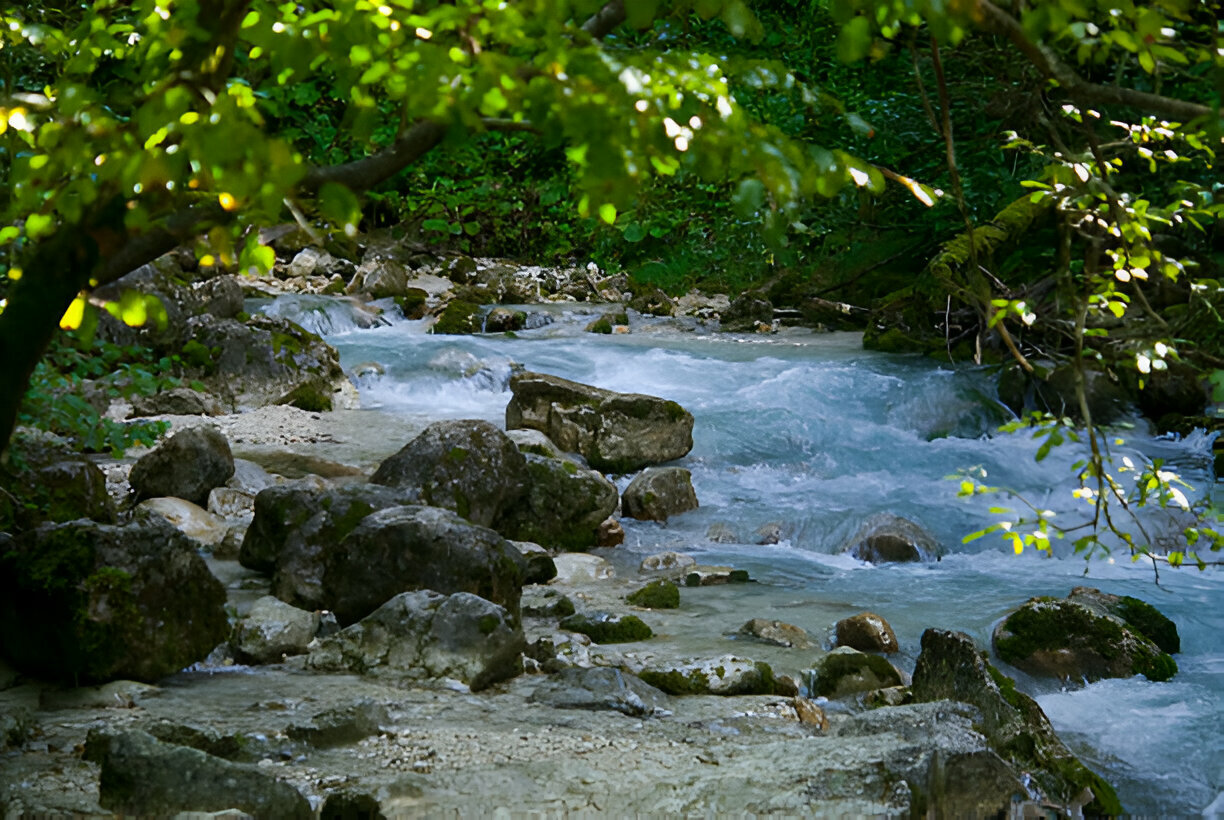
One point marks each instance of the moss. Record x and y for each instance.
(838, 665)
(1048, 625)
(658, 594)
(1105, 803)
(343, 524)
(459, 318)
(1157, 668)
(738, 576)
(1007, 686)
(1148, 621)
(600, 325)
(768, 683)
(674, 411)
(334, 288)
(675, 682)
(487, 624)
(309, 397)
(569, 467)
(609, 628)
(620, 318)
(458, 455)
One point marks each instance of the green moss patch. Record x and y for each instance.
(605, 628)
(459, 318)
(1148, 621)
(658, 594)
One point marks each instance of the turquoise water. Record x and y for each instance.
(808, 435)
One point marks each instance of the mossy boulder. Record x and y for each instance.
(467, 465)
(412, 303)
(658, 493)
(1085, 637)
(658, 594)
(83, 602)
(601, 325)
(604, 627)
(504, 320)
(653, 302)
(951, 668)
(614, 432)
(460, 317)
(563, 505)
(746, 312)
(59, 489)
(728, 675)
(846, 671)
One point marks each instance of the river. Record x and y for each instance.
(805, 436)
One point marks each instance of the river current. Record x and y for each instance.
(800, 437)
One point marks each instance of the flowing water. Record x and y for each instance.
(805, 436)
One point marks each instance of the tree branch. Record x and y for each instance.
(602, 22)
(998, 21)
(362, 174)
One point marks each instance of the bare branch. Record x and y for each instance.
(605, 20)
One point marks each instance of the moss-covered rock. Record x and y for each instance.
(951, 668)
(658, 493)
(1082, 638)
(727, 675)
(658, 594)
(846, 671)
(563, 505)
(604, 627)
(91, 602)
(600, 325)
(412, 303)
(460, 317)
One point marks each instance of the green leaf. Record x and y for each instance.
(854, 41)
(607, 212)
(634, 232)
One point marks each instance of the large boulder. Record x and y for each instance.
(563, 507)
(380, 278)
(616, 432)
(601, 688)
(141, 775)
(60, 488)
(727, 675)
(296, 522)
(408, 548)
(423, 635)
(268, 360)
(951, 668)
(187, 465)
(468, 466)
(658, 493)
(273, 629)
(866, 632)
(846, 671)
(93, 602)
(1088, 636)
(886, 538)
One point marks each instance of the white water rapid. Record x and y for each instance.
(809, 434)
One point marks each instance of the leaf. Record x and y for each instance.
(634, 232)
(607, 212)
(854, 41)
(72, 317)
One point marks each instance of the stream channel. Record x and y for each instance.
(807, 435)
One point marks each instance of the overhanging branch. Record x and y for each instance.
(602, 22)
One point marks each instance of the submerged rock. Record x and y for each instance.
(426, 635)
(727, 675)
(667, 562)
(866, 632)
(1085, 637)
(887, 538)
(846, 671)
(144, 776)
(468, 466)
(93, 602)
(951, 668)
(658, 493)
(618, 432)
(601, 688)
(187, 465)
(776, 633)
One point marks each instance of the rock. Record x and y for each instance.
(273, 629)
(459, 318)
(187, 465)
(658, 594)
(810, 714)
(533, 441)
(380, 278)
(180, 401)
(268, 360)
(667, 561)
(601, 688)
(888, 696)
(701, 576)
(144, 776)
(610, 534)
(345, 805)
(63, 488)
(228, 503)
(561, 650)
(653, 302)
(406, 548)
(727, 675)
(118, 694)
(604, 627)
(296, 522)
(746, 312)
(93, 602)
(1080, 638)
(659, 493)
(343, 725)
(543, 602)
(866, 632)
(578, 567)
(776, 633)
(845, 671)
(951, 668)
(15, 725)
(220, 296)
(235, 747)
(504, 320)
(468, 466)
(886, 538)
(305, 262)
(563, 506)
(249, 477)
(194, 522)
(422, 635)
(539, 567)
(720, 533)
(617, 432)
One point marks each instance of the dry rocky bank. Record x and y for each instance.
(479, 690)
